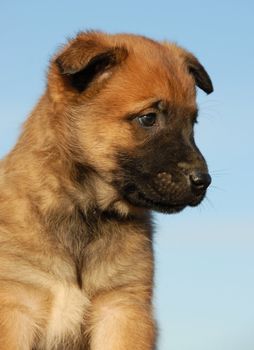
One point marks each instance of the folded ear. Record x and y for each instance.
(202, 79)
(86, 58)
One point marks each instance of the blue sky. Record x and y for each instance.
(204, 256)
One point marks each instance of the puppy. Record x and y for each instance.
(110, 140)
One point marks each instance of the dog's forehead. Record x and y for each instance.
(149, 77)
(154, 71)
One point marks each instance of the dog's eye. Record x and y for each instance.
(147, 120)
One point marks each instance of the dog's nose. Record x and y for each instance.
(200, 181)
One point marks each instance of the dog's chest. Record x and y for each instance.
(66, 319)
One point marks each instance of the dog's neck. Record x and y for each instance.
(66, 200)
(46, 173)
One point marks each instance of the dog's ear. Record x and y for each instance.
(195, 68)
(87, 57)
(202, 79)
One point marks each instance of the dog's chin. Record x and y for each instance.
(139, 199)
(197, 201)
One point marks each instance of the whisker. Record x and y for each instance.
(220, 172)
(218, 188)
(207, 200)
(209, 109)
(202, 205)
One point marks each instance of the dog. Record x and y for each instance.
(110, 140)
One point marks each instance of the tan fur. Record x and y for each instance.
(65, 284)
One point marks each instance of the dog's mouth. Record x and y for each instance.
(144, 199)
(161, 206)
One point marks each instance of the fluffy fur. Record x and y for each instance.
(76, 259)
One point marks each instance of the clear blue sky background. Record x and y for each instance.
(204, 256)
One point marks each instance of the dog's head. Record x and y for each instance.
(129, 109)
